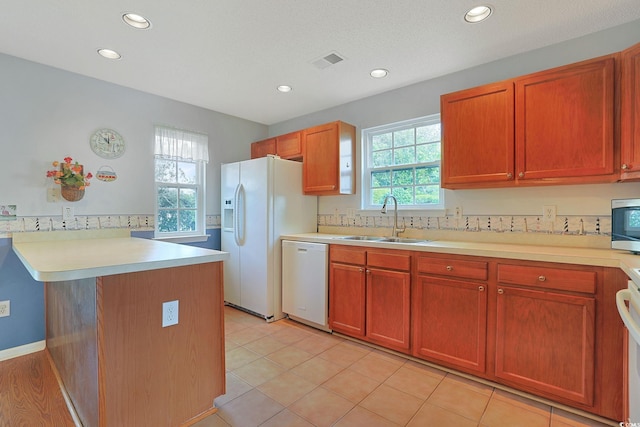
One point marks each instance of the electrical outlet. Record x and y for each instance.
(351, 213)
(457, 212)
(169, 313)
(549, 213)
(68, 213)
(5, 308)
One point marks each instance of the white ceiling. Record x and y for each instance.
(229, 55)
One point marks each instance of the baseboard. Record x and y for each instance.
(22, 350)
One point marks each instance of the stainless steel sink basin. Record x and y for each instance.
(370, 238)
(403, 240)
(384, 239)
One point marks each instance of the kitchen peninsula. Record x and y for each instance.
(104, 295)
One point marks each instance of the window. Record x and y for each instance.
(180, 159)
(403, 159)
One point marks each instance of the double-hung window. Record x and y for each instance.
(180, 164)
(403, 159)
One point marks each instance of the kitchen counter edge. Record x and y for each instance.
(628, 262)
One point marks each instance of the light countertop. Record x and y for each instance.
(628, 262)
(70, 255)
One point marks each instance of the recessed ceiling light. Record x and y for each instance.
(379, 73)
(284, 88)
(136, 21)
(477, 14)
(109, 54)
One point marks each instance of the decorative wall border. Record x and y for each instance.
(578, 225)
(83, 222)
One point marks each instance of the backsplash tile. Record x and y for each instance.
(563, 225)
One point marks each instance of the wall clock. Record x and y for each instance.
(107, 143)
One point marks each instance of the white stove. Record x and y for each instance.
(631, 317)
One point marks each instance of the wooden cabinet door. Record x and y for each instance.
(545, 342)
(630, 113)
(450, 322)
(347, 299)
(565, 122)
(328, 152)
(477, 136)
(289, 146)
(388, 308)
(262, 148)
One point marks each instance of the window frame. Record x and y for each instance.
(366, 148)
(200, 232)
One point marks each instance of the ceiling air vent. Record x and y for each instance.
(328, 60)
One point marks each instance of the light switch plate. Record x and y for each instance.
(68, 213)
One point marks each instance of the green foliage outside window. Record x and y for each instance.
(177, 196)
(406, 163)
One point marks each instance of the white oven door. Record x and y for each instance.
(631, 318)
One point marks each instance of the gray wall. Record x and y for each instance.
(424, 98)
(47, 114)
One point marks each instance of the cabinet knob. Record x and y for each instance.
(509, 175)
(625, 166)
(361, 270)
(521, 175)
(541, 278)
(501, 291)
(481, 288)
(368, 271)
(449, 268)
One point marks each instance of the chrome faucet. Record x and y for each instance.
(396, 231)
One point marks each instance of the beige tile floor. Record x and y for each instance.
(287, 374)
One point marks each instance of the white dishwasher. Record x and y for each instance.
(305, 284)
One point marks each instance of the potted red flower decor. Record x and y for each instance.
(71, 178)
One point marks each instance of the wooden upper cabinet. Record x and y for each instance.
(551, 127)
(262, 148)
(565, 123)
(328, 153)
(477, 135)
(630, 114)
(289, 146)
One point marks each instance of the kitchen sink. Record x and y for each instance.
(370, 238)
(384, 239)
(403, 240)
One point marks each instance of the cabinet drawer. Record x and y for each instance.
(347, 254)
(389, 260)
(548, 278)
(453, 267)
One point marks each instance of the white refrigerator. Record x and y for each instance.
(261, 200)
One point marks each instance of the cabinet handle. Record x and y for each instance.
(625, 166)
(449, 268)
(501, 291)
(509, 175)
(521, 175)
(541, 278)
(481, 288)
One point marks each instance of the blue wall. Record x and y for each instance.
(26, 324)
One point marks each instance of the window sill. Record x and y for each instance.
(184, 239)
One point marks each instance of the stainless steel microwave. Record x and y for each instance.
(625, 224)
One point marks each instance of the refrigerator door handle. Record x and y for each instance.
(238, 226)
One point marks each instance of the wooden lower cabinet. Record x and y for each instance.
(347, 299)
(450, 322)
(546, 341)
(388, 308)
(549, 329)
(369, 295)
